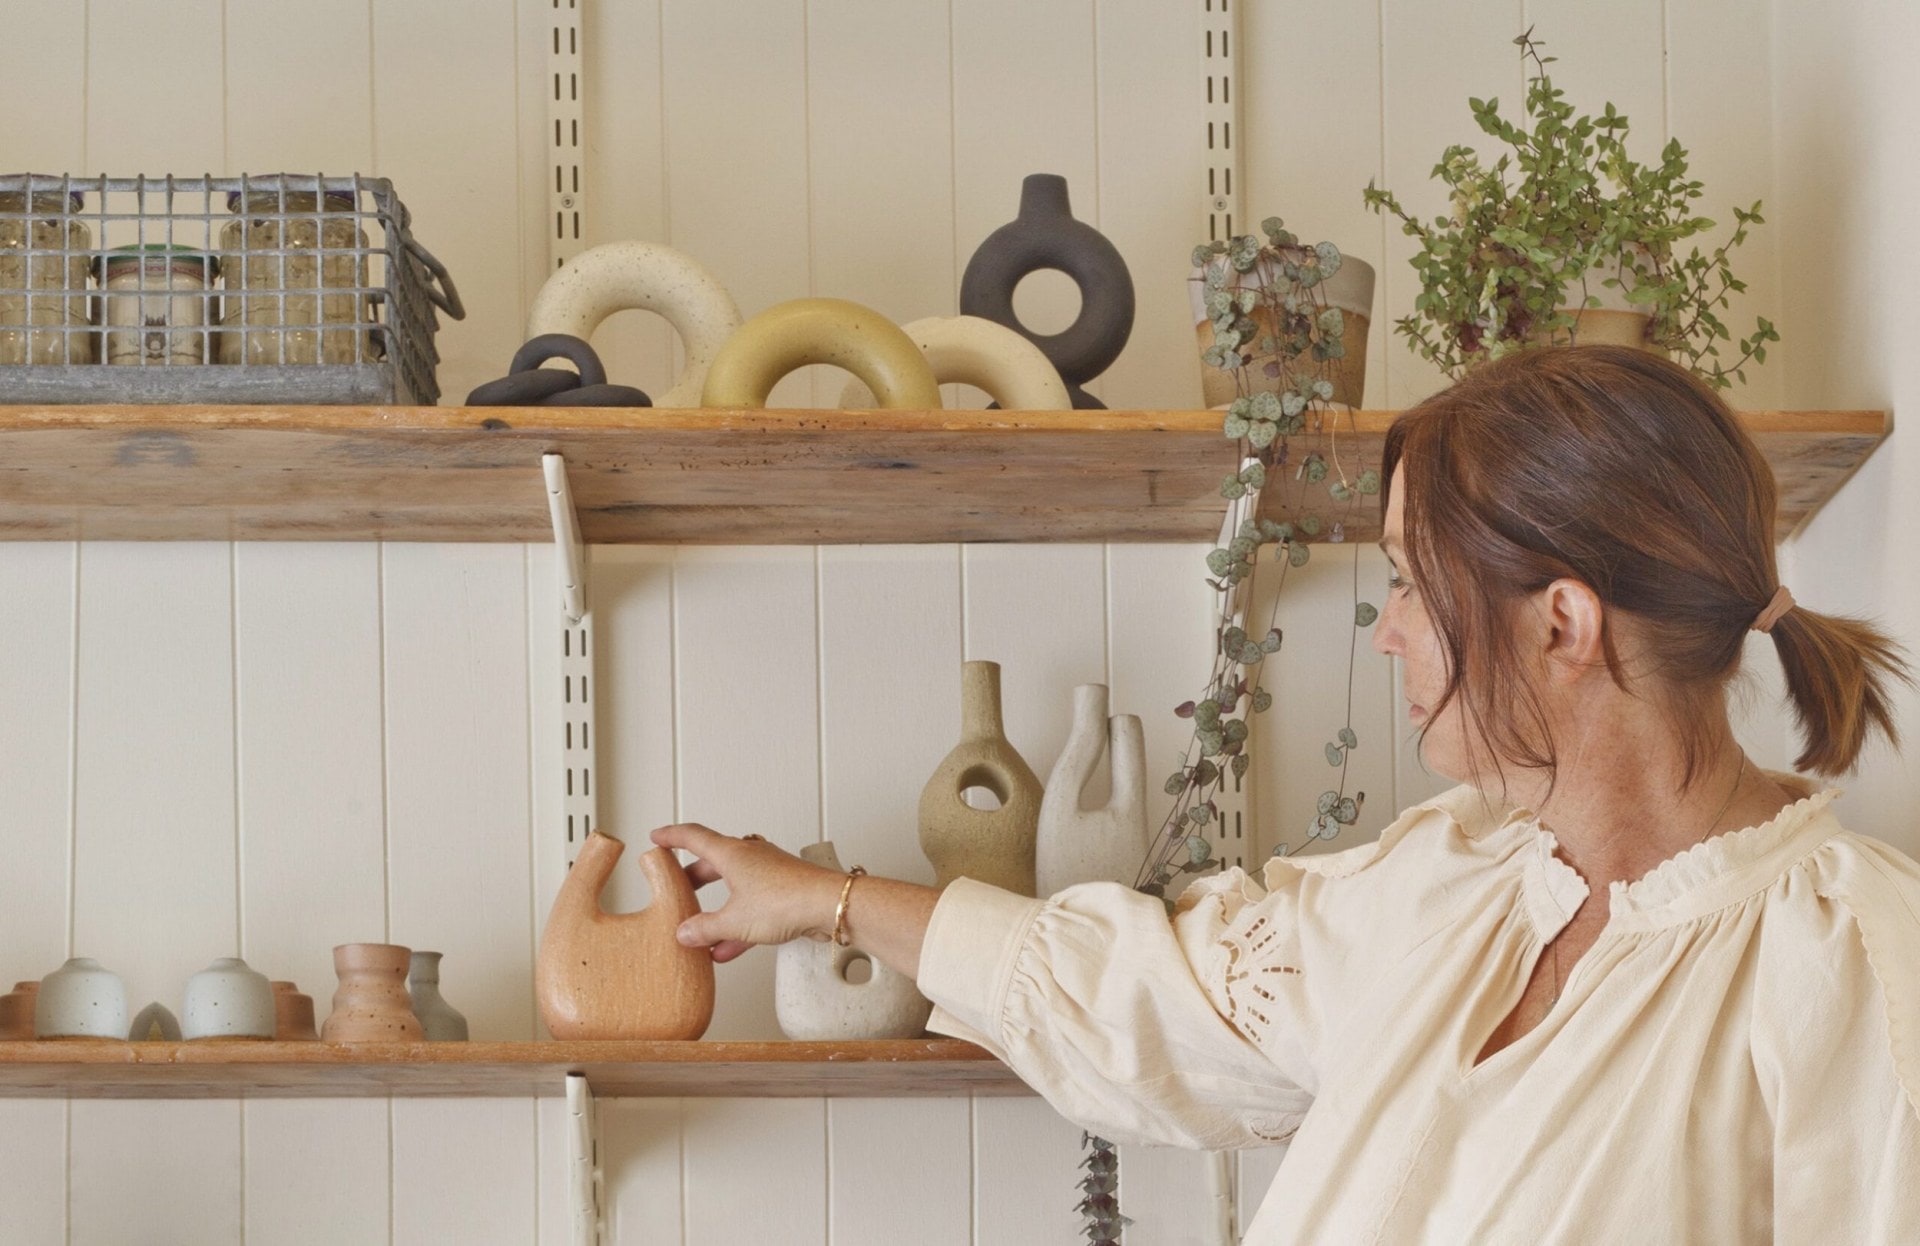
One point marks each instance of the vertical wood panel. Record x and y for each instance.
(300, 105)
(1166, 1193)
(130, 45)
(627, 173)
(43, 75)
(1151, 182)
(1026, 1174)
(36, 742)
(640, 1151)
(755, 1171)
(734, 76)
(445, 100)
(146, 1170)
(1023, 102)
(745, 622)
(879, 137)
(318, 1171)
(899, 1170)
(463, 1171)
(1257, 1177)
(1435, 57)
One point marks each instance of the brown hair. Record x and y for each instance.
(1615, 468)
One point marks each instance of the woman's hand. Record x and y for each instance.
(773, 896)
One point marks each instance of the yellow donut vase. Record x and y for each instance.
(833, 331)
(974, 351)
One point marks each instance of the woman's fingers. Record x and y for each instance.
(702, 873)
(695, 838)
(728, 949)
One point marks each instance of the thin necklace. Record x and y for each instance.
(1553, 949)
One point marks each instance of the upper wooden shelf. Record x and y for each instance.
(101, 1069)
(692, 476)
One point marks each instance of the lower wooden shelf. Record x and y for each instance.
(104, 1069)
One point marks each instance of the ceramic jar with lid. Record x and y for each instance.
(156, 304)
(44, 264)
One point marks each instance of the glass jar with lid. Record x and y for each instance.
(156, 300)
(296, 274)
(43, 277)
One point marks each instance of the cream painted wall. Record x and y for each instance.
(275, 748)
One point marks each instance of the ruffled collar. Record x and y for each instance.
(1706, 877)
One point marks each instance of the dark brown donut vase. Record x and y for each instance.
(1045, 235)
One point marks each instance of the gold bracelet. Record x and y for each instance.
(840, 936)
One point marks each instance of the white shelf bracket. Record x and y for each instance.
(1219, 70)
(584, 1182)
(1233, 821)
(566, 123)
(566, 538)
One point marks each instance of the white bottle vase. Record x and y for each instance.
(437, 1016)
(814, 1000)
(1078, 845)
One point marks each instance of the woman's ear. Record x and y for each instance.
(1571, 622)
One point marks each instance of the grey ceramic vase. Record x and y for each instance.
(818, 995)
(1046, 235)
(437, 1016)
(991, 845)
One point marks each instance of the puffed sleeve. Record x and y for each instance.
(1199, 1031)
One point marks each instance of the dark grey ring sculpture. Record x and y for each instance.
(565, 346)
(1046, 235)
(527, 384)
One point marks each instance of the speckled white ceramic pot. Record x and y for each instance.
(228, 1000)
(81, 999)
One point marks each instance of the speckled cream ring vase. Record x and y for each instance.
(618, 276)
(991, 845)
(815, 996)
(1077, 845)
(605, 976)
(970, 350)
(831, 331)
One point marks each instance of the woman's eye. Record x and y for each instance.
(1395, 583)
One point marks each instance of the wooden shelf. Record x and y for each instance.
(691, 476)
(101, 1069)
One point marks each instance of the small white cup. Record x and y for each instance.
(80, 1000)
(227, 1000)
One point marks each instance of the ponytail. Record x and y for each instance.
(1838, 675)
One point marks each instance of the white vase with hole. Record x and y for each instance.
(823, 993)
(1077, 845)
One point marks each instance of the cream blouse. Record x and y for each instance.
(1736, 1059)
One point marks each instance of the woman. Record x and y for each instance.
(1619, 986)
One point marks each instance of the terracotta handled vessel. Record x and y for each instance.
(602, 975)
(990, 845)
(1079, 845)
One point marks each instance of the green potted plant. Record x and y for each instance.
(1565, 238)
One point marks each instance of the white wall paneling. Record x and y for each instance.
(275, 748)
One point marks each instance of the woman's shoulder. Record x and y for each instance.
(1459, 832)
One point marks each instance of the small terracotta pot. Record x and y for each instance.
(292, 1015)
(16, 1012)
(371, 1004)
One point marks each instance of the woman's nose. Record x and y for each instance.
(1386, 631)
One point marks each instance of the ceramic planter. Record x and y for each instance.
(1046, 235)
(227, 1000)
(292, 1015)
(1350, 289)
(16, 1012)
(371, 1004)
(601, 975)
(437, 1016)
(833, 331)
(80, 1000)
(1077, 845)
(992, 845)
(817, 996)
(616, 276)
(970, 351)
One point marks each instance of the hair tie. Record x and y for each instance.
(1781, 603)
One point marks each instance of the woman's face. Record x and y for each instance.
(1406, 632)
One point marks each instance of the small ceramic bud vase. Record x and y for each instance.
(990, 845)
(80, 1000)
(437, 1016)
(292, 1015)
(227, 1000)
(1078, 845)
(819, 995)
(606, 975)
(154, 1024)
(371, 1003)
(16, 1012)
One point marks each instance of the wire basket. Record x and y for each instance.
(288, 288)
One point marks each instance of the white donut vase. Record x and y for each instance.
(972, 350)
(618, 276)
